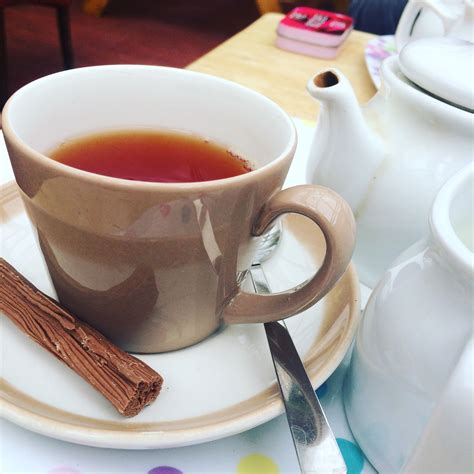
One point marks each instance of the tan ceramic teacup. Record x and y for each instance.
(155, 266)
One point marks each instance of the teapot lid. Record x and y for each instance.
(444, 67)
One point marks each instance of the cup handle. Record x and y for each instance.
(335, 219)
(410, 15)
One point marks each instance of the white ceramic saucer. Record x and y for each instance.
(222, 386)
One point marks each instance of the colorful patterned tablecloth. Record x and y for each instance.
(267, 449)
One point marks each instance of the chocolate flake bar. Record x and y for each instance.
(125, 381)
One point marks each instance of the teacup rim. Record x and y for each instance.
(121, 183)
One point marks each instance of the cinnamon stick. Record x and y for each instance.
(125, 381)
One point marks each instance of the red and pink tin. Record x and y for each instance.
(313, 32)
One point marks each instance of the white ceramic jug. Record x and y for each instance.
(429, 18)
(409, 391)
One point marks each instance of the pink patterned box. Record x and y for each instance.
(313, 32)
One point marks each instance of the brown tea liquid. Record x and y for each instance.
(149, 155)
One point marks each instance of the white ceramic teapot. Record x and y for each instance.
(409, 394)
(389, 158)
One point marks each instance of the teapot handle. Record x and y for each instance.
(447, 440)
(413, 10)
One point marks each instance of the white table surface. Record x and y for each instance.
(267, 449)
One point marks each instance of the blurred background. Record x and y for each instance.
(163, 32)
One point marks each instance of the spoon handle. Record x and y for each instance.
(316, 447)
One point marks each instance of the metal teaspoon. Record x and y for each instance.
(316, 447)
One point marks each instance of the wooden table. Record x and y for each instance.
(251, 59)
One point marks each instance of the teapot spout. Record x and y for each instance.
(345, 152)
